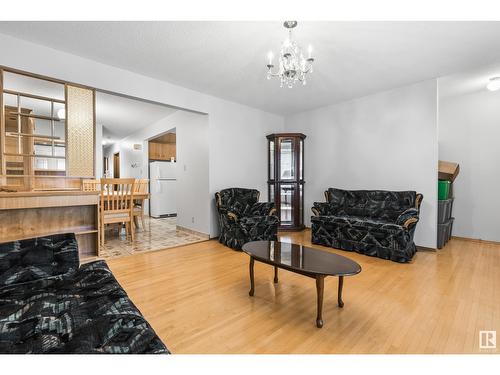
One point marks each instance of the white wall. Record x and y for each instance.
(469, 130)
(383, 141)
(236, 140)
(193, 193)
(238, 154)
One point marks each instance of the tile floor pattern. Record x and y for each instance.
(159, 234)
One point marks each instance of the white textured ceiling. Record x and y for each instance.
(227, 59)
(121, 116)
(468, 82)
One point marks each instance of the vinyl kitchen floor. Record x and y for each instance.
(159, 234)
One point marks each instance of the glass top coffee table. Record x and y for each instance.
(305, 261)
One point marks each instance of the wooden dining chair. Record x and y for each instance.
(141, 188)
(91, 185)
(116, 204)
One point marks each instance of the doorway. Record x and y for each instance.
(116, 165)
(144, 136)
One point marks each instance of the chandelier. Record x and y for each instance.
(293, 66)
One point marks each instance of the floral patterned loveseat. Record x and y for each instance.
(371, 222)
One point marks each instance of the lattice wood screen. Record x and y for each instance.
(81, 131)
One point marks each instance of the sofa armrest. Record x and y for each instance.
(261, 209)
(229, 215)
(323, 209)
(38, 258)
(232, 216)
(408, 218)
(418, 200)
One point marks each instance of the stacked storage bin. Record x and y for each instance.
(445, 220)
(447, 174)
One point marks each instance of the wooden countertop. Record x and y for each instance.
(42, 199)
(45, 193)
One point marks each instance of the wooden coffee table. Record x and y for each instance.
(305, 261)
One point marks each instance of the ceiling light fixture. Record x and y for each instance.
(493, 84)
(293, 66)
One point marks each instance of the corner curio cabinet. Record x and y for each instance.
(286, 178)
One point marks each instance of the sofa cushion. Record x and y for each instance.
(37, 258)
(359, 222)
(370, 237)
(386, 205)
(83, 312)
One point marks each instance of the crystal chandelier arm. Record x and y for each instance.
(270, 72)
(308, 66)
(307, 69)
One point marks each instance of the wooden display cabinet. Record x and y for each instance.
(286, 178)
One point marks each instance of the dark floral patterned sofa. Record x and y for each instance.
(371, 222)
(243, 219)
(48, 304)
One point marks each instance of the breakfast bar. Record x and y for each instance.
(29, 214)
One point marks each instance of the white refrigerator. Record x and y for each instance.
(163, 185)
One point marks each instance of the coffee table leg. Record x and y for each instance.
(275, 275)
(341, 284)
(252, 286)
(320, 286)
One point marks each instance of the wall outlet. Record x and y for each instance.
(185, 168)
(192, 219)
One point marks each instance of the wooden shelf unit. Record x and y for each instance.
(19, 141)
(60, 212)
(38, 201)
(40, 117)
(32, 96)
(40, 136)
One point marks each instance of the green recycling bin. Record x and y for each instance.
(443, 189)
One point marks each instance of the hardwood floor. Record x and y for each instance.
(196, 298)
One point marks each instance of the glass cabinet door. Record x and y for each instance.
(287, 159)
(301, 159)
(271, 189)
(286, 178)
(287, 199)
(271, 160)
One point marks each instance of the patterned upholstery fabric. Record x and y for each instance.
(243, 219)
(37, 258)
(410, 213)
(372, 222)
(78, 310)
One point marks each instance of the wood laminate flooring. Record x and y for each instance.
(196, 298)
